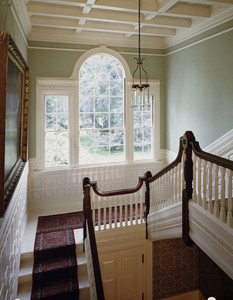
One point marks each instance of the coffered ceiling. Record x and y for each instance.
(115, 22)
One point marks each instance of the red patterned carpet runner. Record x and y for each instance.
(55, 264)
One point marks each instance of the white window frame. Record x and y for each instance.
(69, 87)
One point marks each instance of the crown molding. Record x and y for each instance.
(219, 19)
(19, 10)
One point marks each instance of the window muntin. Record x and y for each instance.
(56, 131)
(143, 133)
(101, 110)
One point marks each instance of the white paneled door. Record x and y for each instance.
(122, 274)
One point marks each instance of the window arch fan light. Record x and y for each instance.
(140, 91)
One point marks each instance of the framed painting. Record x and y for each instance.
(14, 76)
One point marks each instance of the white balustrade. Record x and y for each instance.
(118, 211)
(214, 189)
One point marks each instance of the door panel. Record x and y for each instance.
(122, 274)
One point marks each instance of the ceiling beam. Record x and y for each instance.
(225, 3)
(100, 16)
(166, 4)
(189, 10)
(91, 26)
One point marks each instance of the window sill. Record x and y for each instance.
(97, 166)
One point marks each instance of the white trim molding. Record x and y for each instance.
(223, 146)
(213, 236)
(11, 232)
(165, 223)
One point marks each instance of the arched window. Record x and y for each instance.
(88, 119)
(101, 110)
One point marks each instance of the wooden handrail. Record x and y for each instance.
(170, 166)
(94, 253)
(132, 190)
(223, 162)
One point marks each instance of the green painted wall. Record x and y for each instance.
(199, 90)
(60, 63)
(7, 19)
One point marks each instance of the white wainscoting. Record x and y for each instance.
(11, 231)
(61, 190)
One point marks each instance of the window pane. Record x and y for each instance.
(86, 120)
(50, 140)
(116, 104)
(117, 153)
(116, 120)
(62, 121)
(102, 154)
(102, 88)
(101, 104)
(138, 135)
(116, 88)
(114, 75)
(51, 104)
(137, 119)
(117, 137)
(62, 156)
(86, 88)
(101, 120)
(86, 104)
(51, 121)
(86, 155)
(63, 140)
(87, 138)
(147, 136)
(102, 137)
(138, 154)
(62, 104)
(147, 119)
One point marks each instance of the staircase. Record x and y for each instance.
(26, 268)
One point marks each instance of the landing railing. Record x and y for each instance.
(94, 274)
(212, 183)
(118, 208)
(203, 177)
(166, 186)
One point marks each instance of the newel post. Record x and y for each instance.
(147, 199)
(86, 204)
(188, 190)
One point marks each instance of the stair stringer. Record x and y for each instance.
(165, 223)
(213, 236)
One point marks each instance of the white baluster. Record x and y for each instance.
(172, 187)
(204, 203)
(131, 209)
(180, 189)
(229, 213)
(121, 211)
(110, 213)
(141, 204)
(115, 211)
(210, 187)
(194, 198)
(136, 207)
(216, 204)
(176, 184)
(199, 182)
(223, 210)
(182, 176)
(126, 211)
